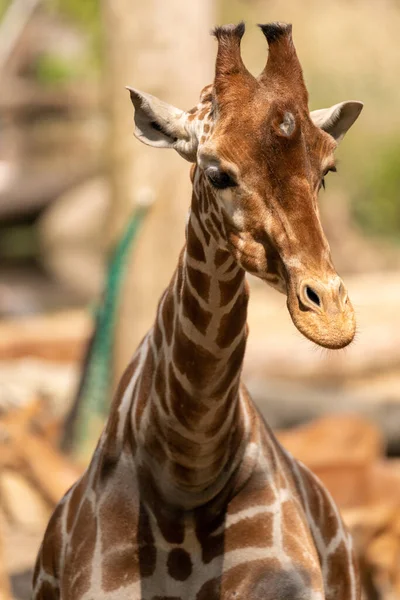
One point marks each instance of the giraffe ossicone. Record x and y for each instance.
(189, 496)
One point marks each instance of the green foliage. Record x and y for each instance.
(84, 12)
(17, 242)
(377, 203)
(54, 70)
(87, 15)
(3, 7)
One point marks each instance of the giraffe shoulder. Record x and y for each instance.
(47, 566)
(333, 541)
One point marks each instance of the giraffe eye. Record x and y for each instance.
(333, 169)
(219, 179)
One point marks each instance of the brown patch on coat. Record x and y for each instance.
(339, 581)
(179, 564)
(144, 384)
(233, 323)
(155, 437)
(52, 544)
(193, 477)
(157, 335)
(147, 548)
(203, 113)
(201, 207)
(228, 289)
(256, 492)
(192, 360)
(325, 516)
(170, 520)
(233, 368)
(221, 414)
(250, 532)
(168, 313)
(221, 257)
(295, 533)
(194, 246)
(74, 501)
(128, 557)
(160, 383)
(78, 560)
(211, 590)
(118, 522)
(187, 409)
(199, 281)
(47, 592)
(123, 384)
(211, 227)
(216, 222)
(111, 448)
(193, 310)
(120, 567)
(254, 579)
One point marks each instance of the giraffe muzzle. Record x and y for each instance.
(321, 310)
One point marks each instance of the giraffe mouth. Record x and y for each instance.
(322, 312)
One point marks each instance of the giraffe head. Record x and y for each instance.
(261, 159)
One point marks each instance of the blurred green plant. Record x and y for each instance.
(18, 241)
(86, 14)
(3, 7)
(54, 70)
(376, 204)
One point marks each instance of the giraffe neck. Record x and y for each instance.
(193, 431)
(211, 298)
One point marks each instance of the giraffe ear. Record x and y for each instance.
(162, 125)
(337, 119)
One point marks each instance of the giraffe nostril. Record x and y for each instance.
(312, 296)
(342, 293)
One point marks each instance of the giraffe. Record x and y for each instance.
(189, 496)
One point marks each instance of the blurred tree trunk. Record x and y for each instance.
(163, 48)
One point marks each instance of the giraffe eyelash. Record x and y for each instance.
(333, 169)
(220, 179)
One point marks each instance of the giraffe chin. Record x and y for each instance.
(333, 330)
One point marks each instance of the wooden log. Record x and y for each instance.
(335, 439)
(288, 404)
(58, 337)
(22, 503)
(33, 456)
(376, 533)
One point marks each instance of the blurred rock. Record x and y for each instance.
(72, 237)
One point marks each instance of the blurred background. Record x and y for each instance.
(91, 224)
